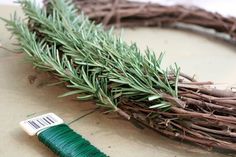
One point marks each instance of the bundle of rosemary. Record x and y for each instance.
(97, 65)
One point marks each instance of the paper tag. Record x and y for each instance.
(36, 124)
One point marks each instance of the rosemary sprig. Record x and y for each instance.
(97, 64)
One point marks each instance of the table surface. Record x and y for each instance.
(209, 58)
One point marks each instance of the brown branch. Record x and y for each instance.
(135, 14)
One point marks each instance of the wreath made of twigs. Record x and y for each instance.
(208, 115)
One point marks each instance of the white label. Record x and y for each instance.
(36, 124)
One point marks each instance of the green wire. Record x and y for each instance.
(63, 141)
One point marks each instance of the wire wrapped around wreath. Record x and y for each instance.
(189, 110)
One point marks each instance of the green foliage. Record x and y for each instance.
(97, 64)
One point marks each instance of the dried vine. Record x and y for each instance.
(132, 14)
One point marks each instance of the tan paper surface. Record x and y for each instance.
(209, 59)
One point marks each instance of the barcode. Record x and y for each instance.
(34, 125)
(42, 122)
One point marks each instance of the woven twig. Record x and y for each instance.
(132, 14)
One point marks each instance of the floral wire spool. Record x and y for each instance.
(59, 137)
(64, 142)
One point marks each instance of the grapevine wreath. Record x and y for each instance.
(95, 64)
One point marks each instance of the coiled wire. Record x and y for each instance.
(63, 141)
